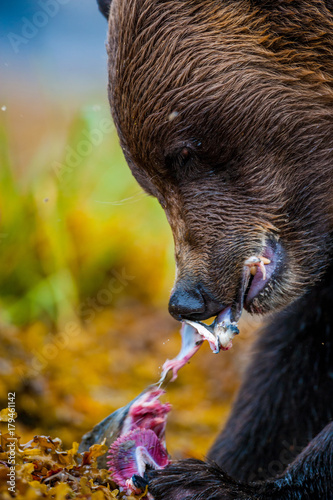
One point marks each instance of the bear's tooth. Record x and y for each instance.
(253, 270)
(252, 261)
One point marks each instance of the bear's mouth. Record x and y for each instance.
(259, 274)
(257, 280)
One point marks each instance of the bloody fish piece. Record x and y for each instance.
(145, 412)
(130, 455)
(191, 343)
(219, 336)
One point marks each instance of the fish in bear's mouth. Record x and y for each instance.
(258, 271)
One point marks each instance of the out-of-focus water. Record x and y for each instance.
(56, 46)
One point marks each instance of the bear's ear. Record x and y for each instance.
(104, 7)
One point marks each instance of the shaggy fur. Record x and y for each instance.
(224, 110)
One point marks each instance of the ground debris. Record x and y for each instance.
(44, 470)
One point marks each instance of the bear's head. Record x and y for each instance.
(224, 110)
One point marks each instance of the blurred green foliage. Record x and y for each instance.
(67, 223)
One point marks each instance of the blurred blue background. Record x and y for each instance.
(58, 46)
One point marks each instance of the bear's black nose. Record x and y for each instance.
(192, 302)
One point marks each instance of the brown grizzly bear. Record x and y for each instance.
(224, 110)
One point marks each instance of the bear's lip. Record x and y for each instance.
(257, 284)
(252, 286)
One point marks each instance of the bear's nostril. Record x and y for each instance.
(184, 303)
(192, 303)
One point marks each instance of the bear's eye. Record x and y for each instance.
(184, 156)
(177, 160)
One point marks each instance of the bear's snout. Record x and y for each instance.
(191, 301)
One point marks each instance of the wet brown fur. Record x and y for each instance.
(248, 88)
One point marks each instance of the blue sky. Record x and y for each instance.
(56, 44)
